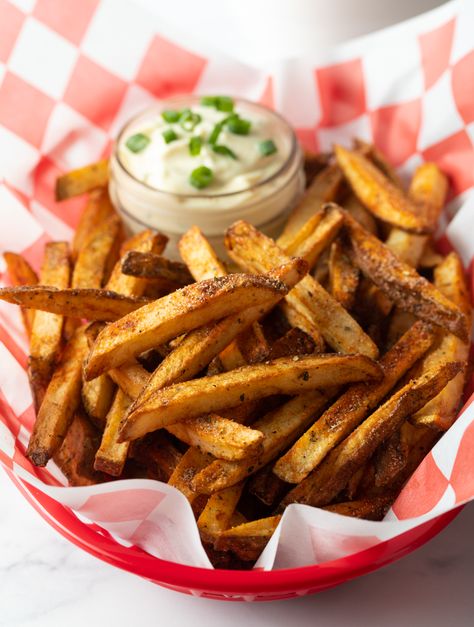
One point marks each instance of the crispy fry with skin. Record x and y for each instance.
(441, 411)
(357, 210)
(190, 464)
(402, 284)
(46, 332)
(253, 345)
(247, 541)
(21, 273)
(378, 159)
(326, 481)
(158, 454)
(131, 378)
(295, 342)
(76, 303)
(378, 193)
(373, 508)
(147, 265)
(217, 514)
(352, 407)
(190, 399)
(199, 256)
(82, 180)
(60, 402)
(314, 163)
(392, 456)
(266, 486)
(111, 456)
(343, 276)
(298, 320)
(256, 253)
(98, 210)
(97, 396)
(177, 313)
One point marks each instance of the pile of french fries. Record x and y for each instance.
(319, 369)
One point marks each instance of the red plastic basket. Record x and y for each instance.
(227, 585)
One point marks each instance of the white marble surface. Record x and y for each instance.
(47, 582)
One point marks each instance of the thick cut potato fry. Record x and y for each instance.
(217, 515)
(112, 455)
(253, 345)
(323, 189)
(46, 332)
(190, 464)
(97, 256)
(373, 508)
(147, 265)
(158, 454)
(378, 193)
(378, 159)
(60, 402)
(210, 394)
(352, 407)
(299, 320)
(343, 276)
(98, 210)
(441, 411)
(392, 456)
(247, 541)
(403, 284)
(177, 313)
(295, 342)
(313, 164)
(131, 378)
(266, 486)
(328, 479)
(21, 273)
(97, 396)
(357, 210)
(256, 252)
(280, 427)
(76, 303)
(82, 180)
(199, 256)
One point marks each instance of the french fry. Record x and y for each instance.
(400, 322)
(247, 541)
(82, 180)
(111, 456)
(177, 313)
(343, 276)
(330, 477)
(441, 411)
(252, 345)
(76, 303)
(430, 258)
(46, 332)
(373, 508)
(392, 456)
(97, 211)
(352, 407)
(298, 320)
(313, 164)
(217, 514)
(357, 210)
(378, 193)
(60, 402)
(323, 189)
(131, 378)
(189, 465)
(257, 252)
(147, 265)
(190, 399)
(21, 273)
(199, 255)
(294, 343)
(97, 396)
(402, 284)
(266, 486)
(158, 454)
(378, 159)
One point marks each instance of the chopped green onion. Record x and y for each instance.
(209, 101)
(188, 120)
(267, 147)
(238, 126)
(138, 142)
(195, 144)
(224, 150)
(170, 115)
(221, 103)
(169, 136)
(201, 177)
(216, 131)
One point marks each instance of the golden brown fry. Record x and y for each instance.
(373, 508)
(147, 265)
(343, 276)
(402, 284)
(112, 455)
(190, 399)
(60, 402)
(82, 180)
(323, 189)
(177, 313)
(158, 454)
(21, 273)
(97, 211)
(252, 345)
(199, 256)
(190, 464)
(314, 163)
(295, 342)
(266, 486)
(392, 456)
(77, 303)
(247, 541)
(378, 159)
(256, 252)
(357, 210)
(352, 407)
(298, 320)
(378, 194)
(46, 332)
(97, 396)
(217, 514)
(430, 258)
(131, 378)
(328, 479)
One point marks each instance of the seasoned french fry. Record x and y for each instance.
(378, 159)
(190, 464)
(266, 486)
(257, 253)
(97, 211)
(373, 508)
(77, 303)
(131, 378)
(111, 456)
(158, 454)
(82, 180)
(328, 479)
(46, 332)
(217, 514)
(392, 456)
(352, 407)
(21, 273)
(294, 343)
(247, 541)
(378, 194)
(357, 210)
(402, 284)
(430, 258)
(400, 322)
(97, 396)
(199, 256)
(298, 320)
(343, 276)
(314, 163)
(252, 345)
(147, 265)
(60, 402)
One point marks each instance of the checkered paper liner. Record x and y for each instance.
(71, 73)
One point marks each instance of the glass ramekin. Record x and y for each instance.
(265, 204)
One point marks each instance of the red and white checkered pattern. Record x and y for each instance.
(71, 73)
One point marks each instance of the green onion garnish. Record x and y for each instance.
(216, 131)
(221, 103)
(267, 147)
(169, 136)
(238, 126)
(224, 150)
(201, 177)
(170, 115)
(195, 144)
(188, 119)
(138, 142)
(209, 101)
